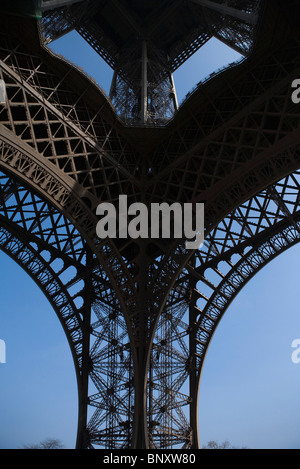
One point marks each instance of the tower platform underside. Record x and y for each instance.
(145, 42)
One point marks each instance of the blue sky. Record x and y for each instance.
(250, 386)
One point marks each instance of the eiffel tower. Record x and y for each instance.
(139, 314)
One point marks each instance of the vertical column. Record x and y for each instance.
(142, 357)
(83, 379)
(144, 84)
(173, 92)
(113, 86)
(3, 96)
(194, 381)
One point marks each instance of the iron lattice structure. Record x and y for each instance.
(139, 314)
(145, 42)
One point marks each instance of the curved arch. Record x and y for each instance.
(250, 358)
(59, 154)
(31, 234)
(33, 263)
(56, 141)
(242, 272)
(240, 264)
(252, 179)
(44, 243)
(245, 267)
(28, 165)
(243, 242)
(20, 160)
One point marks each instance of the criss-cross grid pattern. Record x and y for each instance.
(243, 243)
(50, 249)
(139, 314)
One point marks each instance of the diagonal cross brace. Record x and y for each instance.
(224, 9)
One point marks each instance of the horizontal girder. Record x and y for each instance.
(52, 4)
(223, 8)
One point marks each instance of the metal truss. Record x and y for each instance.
(139, 314)
(142, 90)
(232, 21)
(151, 100)
(243, 243)
(48, 247)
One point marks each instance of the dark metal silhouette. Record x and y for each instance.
(139, 314)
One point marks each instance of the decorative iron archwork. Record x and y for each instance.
(48, 247)
(139, 314)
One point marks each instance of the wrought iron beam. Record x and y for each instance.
(52, 4)
(140, 334)
(225, 9)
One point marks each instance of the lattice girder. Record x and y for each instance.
(242, 244)
(145, 42)
(261, 229)
(44, 243)
(236, 135)
(176, 28)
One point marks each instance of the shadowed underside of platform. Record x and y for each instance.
(146, 41)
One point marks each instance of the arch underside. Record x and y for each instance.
(134, 324)
(51, 250)
(39, 239)
(242, 244)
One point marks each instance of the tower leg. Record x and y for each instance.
(193, 372)
(83, 379)
(144, 85)
(140, 431)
